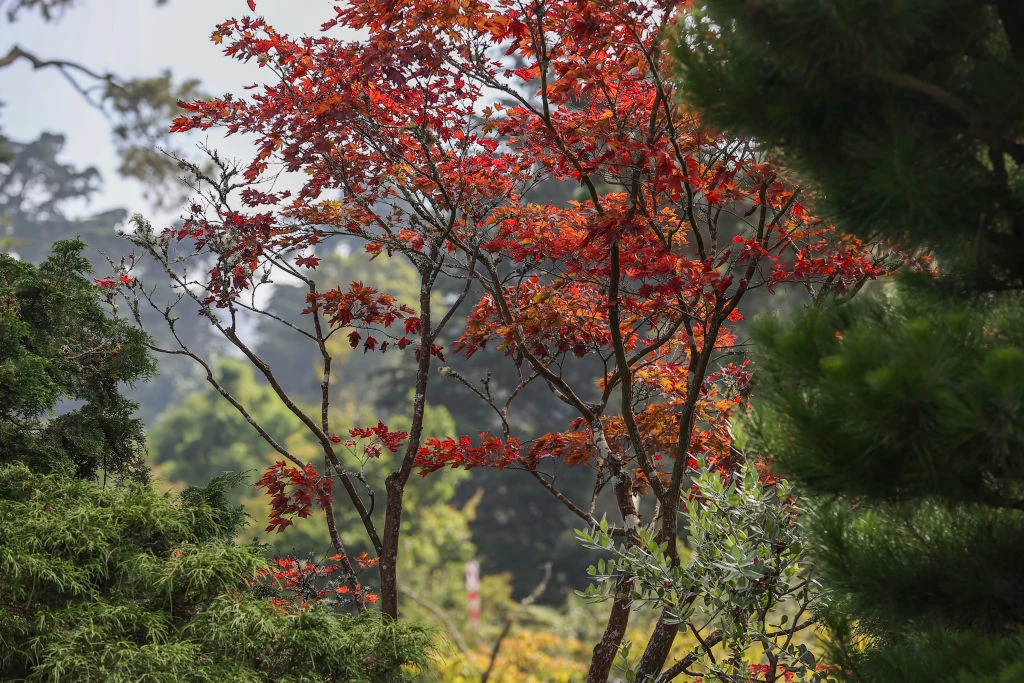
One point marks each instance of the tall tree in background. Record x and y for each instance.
(57, 345)
(904, 410)
(401, 145)
(36, 188)
(137, 108)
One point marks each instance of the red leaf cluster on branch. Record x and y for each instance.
(379, 436)
(306, 582)
(292, 491)
(492, 452)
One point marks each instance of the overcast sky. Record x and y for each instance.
(131, 38)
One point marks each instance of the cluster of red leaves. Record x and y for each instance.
(821, 262)
(574, 446)
(658, 424)
(109, 282)
(112, 286)
(663, 384)
(567, 311)
(379, 436)
(362, 304)
(492, 452)
(238, 241)
(554, 322)
(292, 491)
(367, 308)
(363, 560)
(761, 671)
(306, 582)
(736, 375)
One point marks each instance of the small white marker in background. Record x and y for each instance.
(473, 591)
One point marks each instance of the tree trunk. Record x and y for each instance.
(657, 649)
(608, 646)
(394, 485)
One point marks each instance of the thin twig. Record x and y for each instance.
(513, 616)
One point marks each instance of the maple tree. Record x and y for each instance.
(424, 138)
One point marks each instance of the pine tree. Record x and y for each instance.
(900, 413)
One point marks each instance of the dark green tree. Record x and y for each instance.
(907, 114)
(900, 414)
(37, 190)
(59, 349)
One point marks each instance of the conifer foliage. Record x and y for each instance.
(904, 410)
(123, 584)
(57, 345)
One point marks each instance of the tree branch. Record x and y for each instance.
(683, 664)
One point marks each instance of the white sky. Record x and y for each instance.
(131, 38)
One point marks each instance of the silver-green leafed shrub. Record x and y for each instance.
(742, 586)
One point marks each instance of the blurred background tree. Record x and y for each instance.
(138, 108)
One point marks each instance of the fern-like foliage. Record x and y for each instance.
(124, 584)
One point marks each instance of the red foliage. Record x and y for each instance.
(404, 121)
(379, 436)
(405, 118)
(360, 304)
(305, 582)
(292, 491)
(425, 136)
(762, 670)
(492, 452)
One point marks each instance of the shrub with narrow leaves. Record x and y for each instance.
(124, 585)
